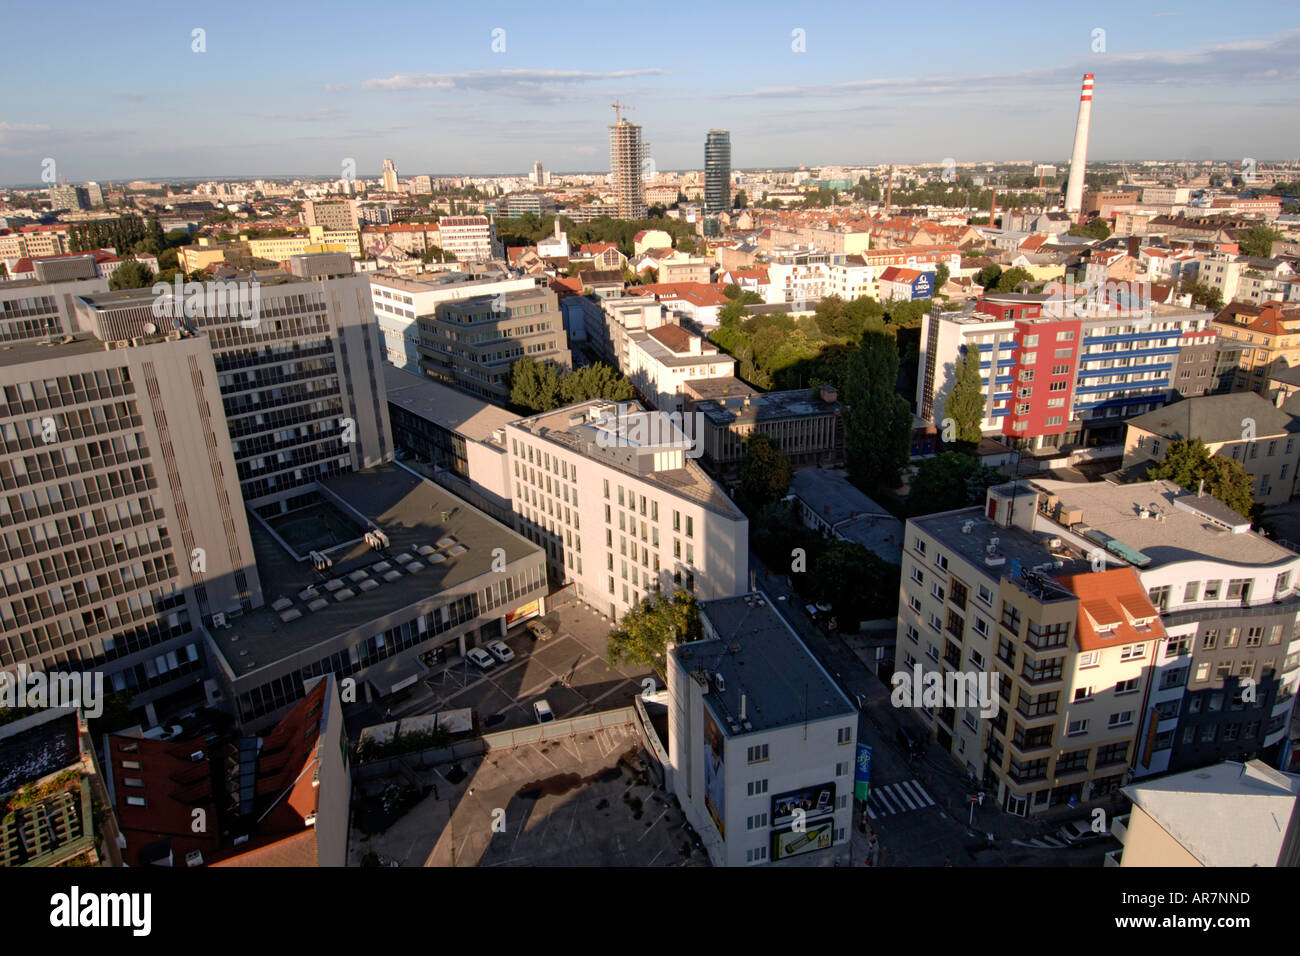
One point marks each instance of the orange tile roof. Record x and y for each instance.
(1113, 609)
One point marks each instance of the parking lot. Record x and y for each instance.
(568, 671)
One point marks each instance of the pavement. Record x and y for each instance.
(568, 671)
(582, 800)
(919, 808)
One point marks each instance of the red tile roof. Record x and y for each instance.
(1113, 609)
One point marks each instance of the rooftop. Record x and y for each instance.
(746, 407)
(1230, 814)
(759, 656)
(972, 535)
(851, 513)
(415, 514)
(1216, 418)
(1171, 533)
(468, 415)
(562, 426)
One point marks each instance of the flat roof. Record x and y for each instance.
(767, 406)
(468, 415)
(972, 542)
(410, 510)
(1115, 510)
(1230, 814)
(761, 657)
(689, 481)
(19, 353)
(854, 516)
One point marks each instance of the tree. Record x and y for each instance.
(941, 276)
(741, 200)
(1012, 279)
(1096, 229)
(643, 634)
(131, 274)
(1204, 295)
(1188, 462)
(856, 582)
(965, 405)
(949, 481)
(594, 381)
(764, 473)
(1258, 241)
(988, 276)
(534, 385)
(731, 291)
(877, 422)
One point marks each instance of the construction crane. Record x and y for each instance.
(618, 107)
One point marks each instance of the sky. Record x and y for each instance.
(286, 87)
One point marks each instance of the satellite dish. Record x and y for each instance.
(150, 328)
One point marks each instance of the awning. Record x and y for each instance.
(392, 675)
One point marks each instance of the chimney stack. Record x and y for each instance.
(1079, 158)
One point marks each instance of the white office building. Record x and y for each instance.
(622, 510)
(762, 742)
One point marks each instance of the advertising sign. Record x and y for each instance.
(714, 747)
(531, 609)
(787, 843)
(815, 802)
(862, 775)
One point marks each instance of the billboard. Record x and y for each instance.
(714, 746)
(862, 774)
(531, 609)
(923, 286)
(787, 843)
(815, 802)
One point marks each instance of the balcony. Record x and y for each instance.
(1113, 857)
(1119, 828)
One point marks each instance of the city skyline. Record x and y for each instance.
(1157, 76)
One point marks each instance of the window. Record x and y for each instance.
(985, 594)
(1076, 728)
(1203, 671)
(1058, 386)
(757, 787)
(1090, 659)
(1239, 590)
(1211, 639)
(1120, 719)
(1191, 592)
(918, 575)
(912, 633)
(1212, 590)
(757, 753)
(756, 821)
(755, 855)
(937, 591)
(844, 735)
(1082, 693)
(1132, 652)
(1060, 370)
(1065, 336)
(919, 545)
(842, 769)
(1129, 686)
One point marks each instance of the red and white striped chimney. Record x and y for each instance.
(1079, 158)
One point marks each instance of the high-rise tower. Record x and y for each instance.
(717, 171)
(390, 176)
(1079, 158)
(626, 152)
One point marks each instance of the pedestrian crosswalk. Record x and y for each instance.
(894, 798)
(1042, 843)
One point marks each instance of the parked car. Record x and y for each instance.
(539, 630)
(542, 711)
(481, 658)
(500, 651)
(1081, 833)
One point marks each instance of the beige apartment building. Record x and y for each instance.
(1242, 426)
(1121, 624)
